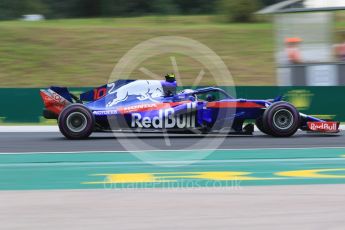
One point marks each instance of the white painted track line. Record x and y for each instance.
(28, 128)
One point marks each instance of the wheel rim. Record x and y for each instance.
(283, 119)
(76, 122)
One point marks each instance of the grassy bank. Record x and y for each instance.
(83, 52)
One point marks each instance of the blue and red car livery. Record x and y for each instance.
(155, 106)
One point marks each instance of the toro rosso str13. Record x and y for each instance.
(153, 106)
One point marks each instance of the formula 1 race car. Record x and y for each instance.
(155, 106)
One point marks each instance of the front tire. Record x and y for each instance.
(281, 119)
(76, 122)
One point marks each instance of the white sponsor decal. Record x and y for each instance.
(136, 107)
(166, 119)
(323, 126)
(58, 98)
(105, 112)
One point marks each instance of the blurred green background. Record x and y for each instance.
(82, 40)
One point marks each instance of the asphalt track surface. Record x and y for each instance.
(55, 142)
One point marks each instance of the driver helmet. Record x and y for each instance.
(170, 77)
(210, 97)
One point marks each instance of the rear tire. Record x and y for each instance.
(281, 119)
(76, 122)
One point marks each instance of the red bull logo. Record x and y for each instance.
(167, 118)
(330, 127)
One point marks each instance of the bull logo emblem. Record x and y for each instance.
(143, 89)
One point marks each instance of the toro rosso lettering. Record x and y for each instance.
(166, 119)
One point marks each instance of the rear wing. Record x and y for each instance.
(55, 99)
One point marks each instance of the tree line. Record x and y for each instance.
(13, 9)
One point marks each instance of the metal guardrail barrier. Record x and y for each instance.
(312, 74)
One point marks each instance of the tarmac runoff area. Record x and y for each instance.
(266, 207)
(255, 182)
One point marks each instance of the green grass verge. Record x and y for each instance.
(83, 52)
